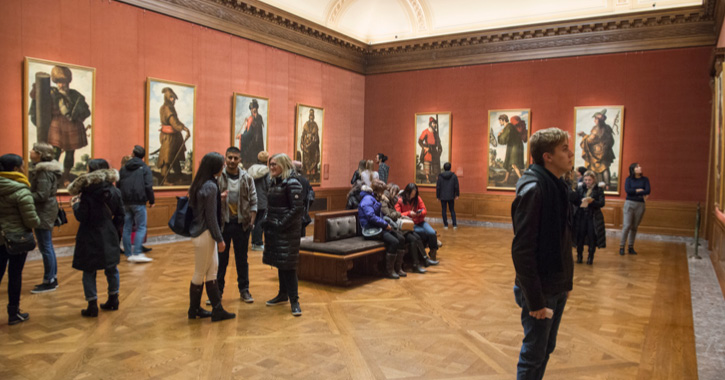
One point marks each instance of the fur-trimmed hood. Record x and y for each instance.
(93, 178)
(258, 171)
(48, 166)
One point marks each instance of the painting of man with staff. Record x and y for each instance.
(598, 143)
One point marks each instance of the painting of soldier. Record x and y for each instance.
(432, 146)
(249, 132)
(308, 141)
(508, 136)
(169, 132)
(58, 104)
(598, 144)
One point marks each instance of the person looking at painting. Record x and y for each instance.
(597, 148)
(369, 175)
(44, 174)
(173, 143)
(588, 218)
(383, 168)
(251, 138)
(68, 111)
(310, 147)
(357, 174)
(447, 191)
(17, 216)
(98, 207)
(136, 185)
(260, 173)
(637, 188)
(430, 150)
(513, 135)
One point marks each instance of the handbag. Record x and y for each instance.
(18, 243)
(371, 232)
(61, 219)
(182, 218)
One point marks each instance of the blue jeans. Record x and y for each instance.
(539, 335)
(45, 245)
(427, 233)
(258, 232)
(89, 282)
(451, 207)
(135, 215)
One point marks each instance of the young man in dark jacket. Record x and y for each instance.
(136, 185)
(447, 191)
(541, 248)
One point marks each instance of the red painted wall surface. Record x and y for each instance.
(127, 44)
(666, 96)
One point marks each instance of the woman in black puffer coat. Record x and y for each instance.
(588, 219)
(98, 206)
(282, 229)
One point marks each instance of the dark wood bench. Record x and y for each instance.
(337, 249)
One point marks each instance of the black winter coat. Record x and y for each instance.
(594, 211)
(100, 213)
(284, 223)
(136, 183)
(447, 186)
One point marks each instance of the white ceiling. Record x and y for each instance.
(378, 21)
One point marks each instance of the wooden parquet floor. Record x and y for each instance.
(627, 318)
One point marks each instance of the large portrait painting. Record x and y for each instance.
(170, 111)
(432, 146)
(598, 146)
(249, 126)
(58, 105)
(508, 142)
(719, 141)
(308, 141)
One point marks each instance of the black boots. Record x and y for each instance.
(426, 260)
(631, 250)
(433, 253)
(590, 258)
(217, 313)
(417, 268)
(112, 303)
(16, 316)
(195, 310)
(92, 310)
(399, 263)
(579, 253)
(621, 250)
(390, 272)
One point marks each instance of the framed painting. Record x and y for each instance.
(598, 144)
(170, 113)
(508, 147)
(309, 127)
(720, 141)
(432, 146)
(58, 109)
(249, 126)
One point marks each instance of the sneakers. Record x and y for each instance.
(445, 227)
(278, 300)
(296, 311)
(45, 287)
(16, 316)
(455, 228)
(140, 258)
(246, 296)
(257, 247)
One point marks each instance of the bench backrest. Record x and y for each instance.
(336, 225)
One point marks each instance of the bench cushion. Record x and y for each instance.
(340, 247)
(341, 227)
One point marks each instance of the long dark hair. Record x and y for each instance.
(631, 170)
(406, 195)
(97, 164)
(210, 165)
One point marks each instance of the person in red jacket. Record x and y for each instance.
(412, 206)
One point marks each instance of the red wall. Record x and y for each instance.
(127, 44)
(666, 96)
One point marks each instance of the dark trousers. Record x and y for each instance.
(585, 234)
(235, 234)
(15, 274)
(539, 336)
(288, 284)
(258, 232)
(451, 206)
(392, 240)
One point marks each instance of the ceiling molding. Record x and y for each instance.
(257, 21)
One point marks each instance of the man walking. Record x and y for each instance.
(239, 209)
(136, 185)
(541, 248)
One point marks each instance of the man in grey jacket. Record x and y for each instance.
(239, 210)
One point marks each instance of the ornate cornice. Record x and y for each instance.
(677, 28)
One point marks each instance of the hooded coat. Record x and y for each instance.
(100, 213)
(284, 223)
(260, 174)
(44, 178)
(136, 183)
(17, 209)
(447, 188)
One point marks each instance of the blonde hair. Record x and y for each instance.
(590, 173)
(546, 141)
(283, 161)
(369, 165)
(45, 150)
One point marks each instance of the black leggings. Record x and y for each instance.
(392, 240)
(15, 274)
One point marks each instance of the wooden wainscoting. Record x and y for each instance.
(717, 246)
(661, 217)
(159, 215)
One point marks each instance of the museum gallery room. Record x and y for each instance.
(388, 115)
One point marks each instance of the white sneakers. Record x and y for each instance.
(140, 258)
(257, 247)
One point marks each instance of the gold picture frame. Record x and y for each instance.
(311, 160)
(427, 175)
(507, 128)
(241, 115)
(165, 139)
(594, 154)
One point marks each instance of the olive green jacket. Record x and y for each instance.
(44, 178)
(17, 209)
